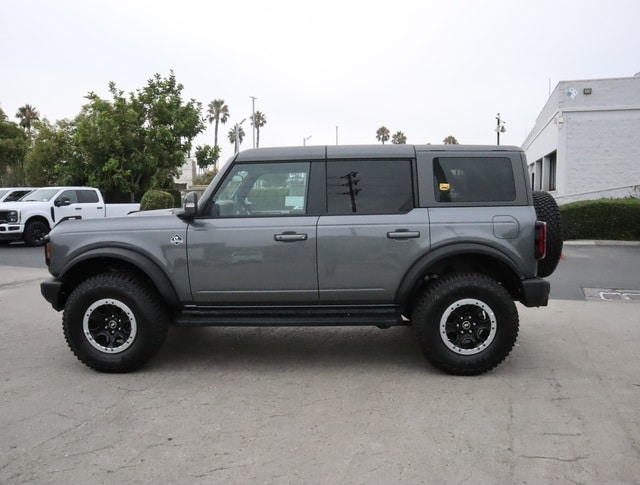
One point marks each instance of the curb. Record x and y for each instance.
(585, 242)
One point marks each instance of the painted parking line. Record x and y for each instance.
(612, 294)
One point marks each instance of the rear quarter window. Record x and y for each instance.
(473, 179)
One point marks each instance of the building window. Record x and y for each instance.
(538, 177)
(552, 170)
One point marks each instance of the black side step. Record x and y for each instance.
(290, 316)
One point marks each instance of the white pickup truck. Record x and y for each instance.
(31, 218)
(13, 194)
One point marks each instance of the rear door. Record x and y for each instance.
(372, 233)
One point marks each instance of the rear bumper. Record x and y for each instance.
(53, 292)
(535, 292)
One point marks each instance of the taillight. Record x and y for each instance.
(541, 239)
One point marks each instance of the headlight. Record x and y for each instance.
(13, 216)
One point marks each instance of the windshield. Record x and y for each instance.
(40, 195)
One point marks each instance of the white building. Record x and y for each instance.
(586, 141)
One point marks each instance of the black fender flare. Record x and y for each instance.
(159, 277)
(422, 265)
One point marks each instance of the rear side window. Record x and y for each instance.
(87, 196)
(369, 187)
(473, 179)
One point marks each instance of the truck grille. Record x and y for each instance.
(4, 217)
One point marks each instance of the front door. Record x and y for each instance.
(256, 244)
(77, 204)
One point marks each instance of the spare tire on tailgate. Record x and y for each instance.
(547, 211)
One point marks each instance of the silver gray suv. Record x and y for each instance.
(442, 238)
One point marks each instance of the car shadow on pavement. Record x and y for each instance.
(301, 347)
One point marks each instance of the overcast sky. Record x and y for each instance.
(427, 68)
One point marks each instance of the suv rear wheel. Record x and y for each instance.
(113, 322)
(467, 323)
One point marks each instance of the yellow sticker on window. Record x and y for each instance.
(445, 187)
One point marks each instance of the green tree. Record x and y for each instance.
(217, 112)
(382, 134)
(47, 160)
(27, 114)
(258, 119)
(399, 138)
(232, 135)
(13, 148)
(207, 156)
(133, 143)
(450, 140)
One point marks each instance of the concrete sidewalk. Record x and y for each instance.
(308, 405)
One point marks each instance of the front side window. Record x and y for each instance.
(369, 187)
(473, 179)
(263, 189)
(68, 195)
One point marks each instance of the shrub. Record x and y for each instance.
(156, 199)
(616, 219)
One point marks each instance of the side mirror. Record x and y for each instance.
(62, 201)
(190, 204)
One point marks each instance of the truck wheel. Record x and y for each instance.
(35, 232)
(547, 211)
(466, 323)
(114, 322)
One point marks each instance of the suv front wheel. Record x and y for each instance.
(114, 322)
(467, 323)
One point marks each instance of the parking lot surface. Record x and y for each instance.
(320, 405)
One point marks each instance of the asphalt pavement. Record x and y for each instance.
(320, 405)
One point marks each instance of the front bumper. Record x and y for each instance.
(53, 291)
(11, 232)
(535, 292)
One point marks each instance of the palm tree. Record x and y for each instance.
(232, 135)
(383, 134)
(258, 119)
(399, 138)
(450, 140)
(217, 112)
(27, 114)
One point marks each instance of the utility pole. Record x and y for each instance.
(237, 130)
(253, 119)
(500, 128)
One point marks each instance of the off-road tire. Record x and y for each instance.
(35, 232)
(114, 322)
(547, 211)
(466, 323)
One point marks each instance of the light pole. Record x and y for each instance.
(336, 134)
(304, 140)
(237, 130)
(500, 128)
(253, 119)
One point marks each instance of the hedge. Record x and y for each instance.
(156, 199)
(612, 219)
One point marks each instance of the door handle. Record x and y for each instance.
(290, 237)
(78, 208)
(403, 234)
